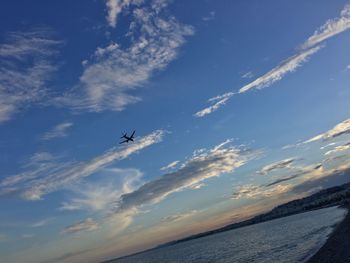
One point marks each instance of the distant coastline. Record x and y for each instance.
(334, 196)
(338, 195)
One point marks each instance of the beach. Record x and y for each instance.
(337, 247)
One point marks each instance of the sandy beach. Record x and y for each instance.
(337, 247)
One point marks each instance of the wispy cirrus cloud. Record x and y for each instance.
(115, 71)
(204, 164)
(250, 191)
(59, 131)
(114, 8)
(171, 165)
(86, 225)
(338, 130)
(43, 178)
(39, 164)
(308, 181)
(274, 75)
(41, 223)
(207, 164)
(297, 172)
(286, 163)
(331, 28)
(338, 149)
(278, 187)
(248, 75)
(220, 101)
(26, 67)
(102, 195)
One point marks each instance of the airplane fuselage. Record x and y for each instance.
(128, 138)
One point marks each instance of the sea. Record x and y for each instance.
(289, 240)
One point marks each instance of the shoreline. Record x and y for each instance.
(337, 247)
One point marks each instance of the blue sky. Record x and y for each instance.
(238, 106)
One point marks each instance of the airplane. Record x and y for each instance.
(127, 138)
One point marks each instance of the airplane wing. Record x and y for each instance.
(132, 135)
(123, 141)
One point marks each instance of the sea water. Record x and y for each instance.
(290, 239)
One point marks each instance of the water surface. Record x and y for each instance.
(290, 239)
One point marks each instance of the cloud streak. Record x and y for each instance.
(339, 148)
(26, 67)
(300, 172)
(338, 130)
(114, 8)
(311, 46)
(286, 163)
(331, 28)
(52, 176)
(212, 163)
(102, 195)
(254, 191)
(58, 131)
(171, 165)
(86, 225)
(274, 75)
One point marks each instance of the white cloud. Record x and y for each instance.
(308, 176)
(328, 145)
(116, 71)
(171, 165)
(276, 74)
(336, 131)
(86, 225)
(41, 223)
(204, 164)
(213, 107)
(253, 191)
(297, 172)
(197, 186)
(41, 157)
(246, 191)
(58, 131)
(211, 163)
(26, 66)
(39, 164)
(121, 220)
(114, 8)
(339, 148)
(331, 28)
(43, 179)
(248, 75)
(101, 196)
(286, 163)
